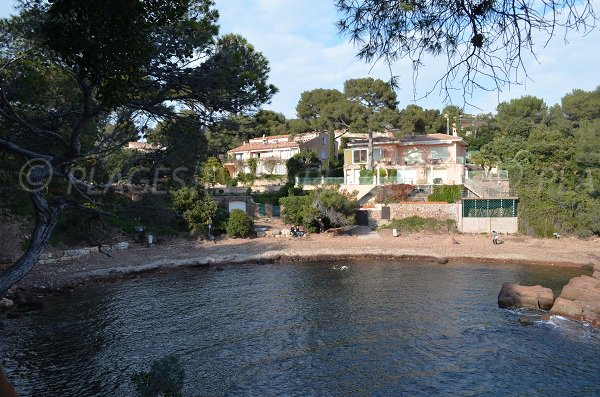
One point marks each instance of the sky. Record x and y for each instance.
(305, 52)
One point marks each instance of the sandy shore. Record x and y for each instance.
(172, 254)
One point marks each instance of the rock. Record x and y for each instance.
(442, 260)
(533, 297)
(77, 252)
(13, 315)
(524, 320)
(123, 245)
(596, 271)
(6, 303)
(4, 260)
(579, 300)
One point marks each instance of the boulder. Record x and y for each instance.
(580, 300)
(533, 297)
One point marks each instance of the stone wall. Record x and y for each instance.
(439, 211)
(66, 255)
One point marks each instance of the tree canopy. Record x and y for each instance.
(483, 42)
(80, 79)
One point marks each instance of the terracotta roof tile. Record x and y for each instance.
(264, 146)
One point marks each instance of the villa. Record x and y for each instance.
(415, 159)
(272, 152)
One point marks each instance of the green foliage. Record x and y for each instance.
(446, 193)
(552, 158)
(366, 173)
(272, 197)
(214, 173)
(581, 105)
(165, 379)
(301, 162)
(298, 211)
(418, 224)
(253, 165)
(197, 207)
(319, 210)
(517, 117)
(239, 224)
(247, 179)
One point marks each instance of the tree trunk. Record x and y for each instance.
(46, 217)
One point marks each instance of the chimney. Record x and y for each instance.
(264, 139)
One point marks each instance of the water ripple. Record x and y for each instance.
(375, 329)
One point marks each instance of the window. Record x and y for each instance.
(439, 153)
(238, 156)
(324, 140)
(413, 156)
(377, 155)
(323, 155)
(359, 156)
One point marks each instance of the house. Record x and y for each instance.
(272, 152)
(144, 147)
(416, 159)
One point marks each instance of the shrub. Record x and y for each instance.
(197, 207)
(239, 224)
(165, 379)
(319, 210)
(394, 193)
(446, 193)
(272, 197)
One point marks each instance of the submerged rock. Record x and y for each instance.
(580, 300)
(532, 297)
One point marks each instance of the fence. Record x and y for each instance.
(489, 208)
(320, 181)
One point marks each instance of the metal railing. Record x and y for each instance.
(487, 175)
(320, 181)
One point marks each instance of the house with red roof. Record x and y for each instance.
(413, 159)
(272, 152)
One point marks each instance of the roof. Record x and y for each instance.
(142, 146)
(249, 147)
(269, 138)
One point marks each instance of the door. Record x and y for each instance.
(237, 205)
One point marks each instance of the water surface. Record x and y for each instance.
(377, 329)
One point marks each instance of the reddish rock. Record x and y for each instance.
(580, 300)
(533, 297)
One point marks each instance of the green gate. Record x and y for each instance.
(489, 208)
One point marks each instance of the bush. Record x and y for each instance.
(165, 379)
(446, 193)
(239, 224)
(272, 197)
(394, 193)
(197, 207)
(320, 210)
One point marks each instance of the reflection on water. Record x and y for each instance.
(378, 328)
